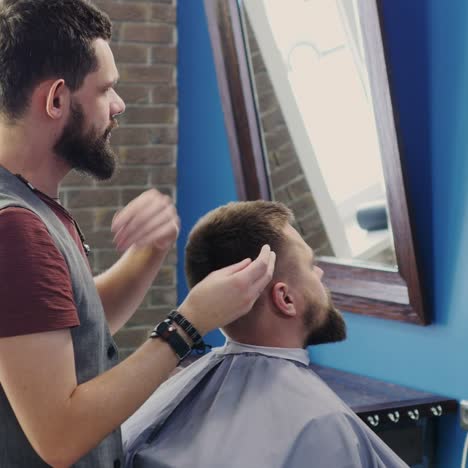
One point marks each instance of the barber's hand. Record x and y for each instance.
(149, 220)
(227, 294)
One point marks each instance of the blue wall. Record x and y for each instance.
(427, 45)
(205, 178)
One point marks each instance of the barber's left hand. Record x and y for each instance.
(150, 220)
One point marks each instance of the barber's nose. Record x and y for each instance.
(320, 272)
(118, 106)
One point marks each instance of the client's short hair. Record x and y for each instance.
(233, 232)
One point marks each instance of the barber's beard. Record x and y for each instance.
(87, 152)
(332, 330)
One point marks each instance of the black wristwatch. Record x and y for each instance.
(168, 332)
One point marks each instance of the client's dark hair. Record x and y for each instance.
(233, 232)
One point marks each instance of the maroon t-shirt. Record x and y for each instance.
(35, 285)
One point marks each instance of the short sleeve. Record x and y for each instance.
(35, 284)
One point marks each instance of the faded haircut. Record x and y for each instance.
(232, 233)
(46, 39)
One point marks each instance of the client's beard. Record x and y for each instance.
(332, 330)
(88, 153)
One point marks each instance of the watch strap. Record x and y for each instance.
(168, 332)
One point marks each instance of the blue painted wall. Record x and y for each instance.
(205, 178)
(427, 45)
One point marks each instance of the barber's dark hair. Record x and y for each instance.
(233, 232)
(45, 39)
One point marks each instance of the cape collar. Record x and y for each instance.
(291, 354)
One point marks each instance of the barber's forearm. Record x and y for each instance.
(99, 406)
(123, 287)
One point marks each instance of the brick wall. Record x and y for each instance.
(287, 177)
(145, 48)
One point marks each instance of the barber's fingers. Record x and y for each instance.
(162, 237)
(236, 267)
(148, 230)
(148, 213)
(149, 203)
(254, 277)
(260, 270)
(262, 281)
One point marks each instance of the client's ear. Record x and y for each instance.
(283, 299)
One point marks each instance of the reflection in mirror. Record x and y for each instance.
(314, 103)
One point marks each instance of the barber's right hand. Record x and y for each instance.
(227, 294)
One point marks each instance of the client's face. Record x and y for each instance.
(330, 330)
(323, 323)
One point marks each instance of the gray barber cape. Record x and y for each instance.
(244, 406)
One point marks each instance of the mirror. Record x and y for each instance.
(310, 123)
(310, 84)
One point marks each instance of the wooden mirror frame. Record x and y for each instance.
(383, 293)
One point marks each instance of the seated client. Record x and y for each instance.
(255, 403)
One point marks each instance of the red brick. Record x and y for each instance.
(164, 13)
(303, 206)
(130, 194)
(164, 296)
(298, 188)
(103, 218)
(169, 191)
(272, 119)
(131, 53)
(165, 94)
(76, 179)
(276, 140)
(116, 32)
(286, 174)
(125, 176)
(166, 276)
(286, 154)
(172, 256)
(124, 11)
(164, 175)
(263, 83)
(146, 316)
(100, 240)
(164, 54)
(93, 197)
(312, 225)
(151, 115)
(281, 195)
(154, 74)
(134, 94)
(145, 135)
(257, 63)
(155, 33)
(267, 101)
(148, 155)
